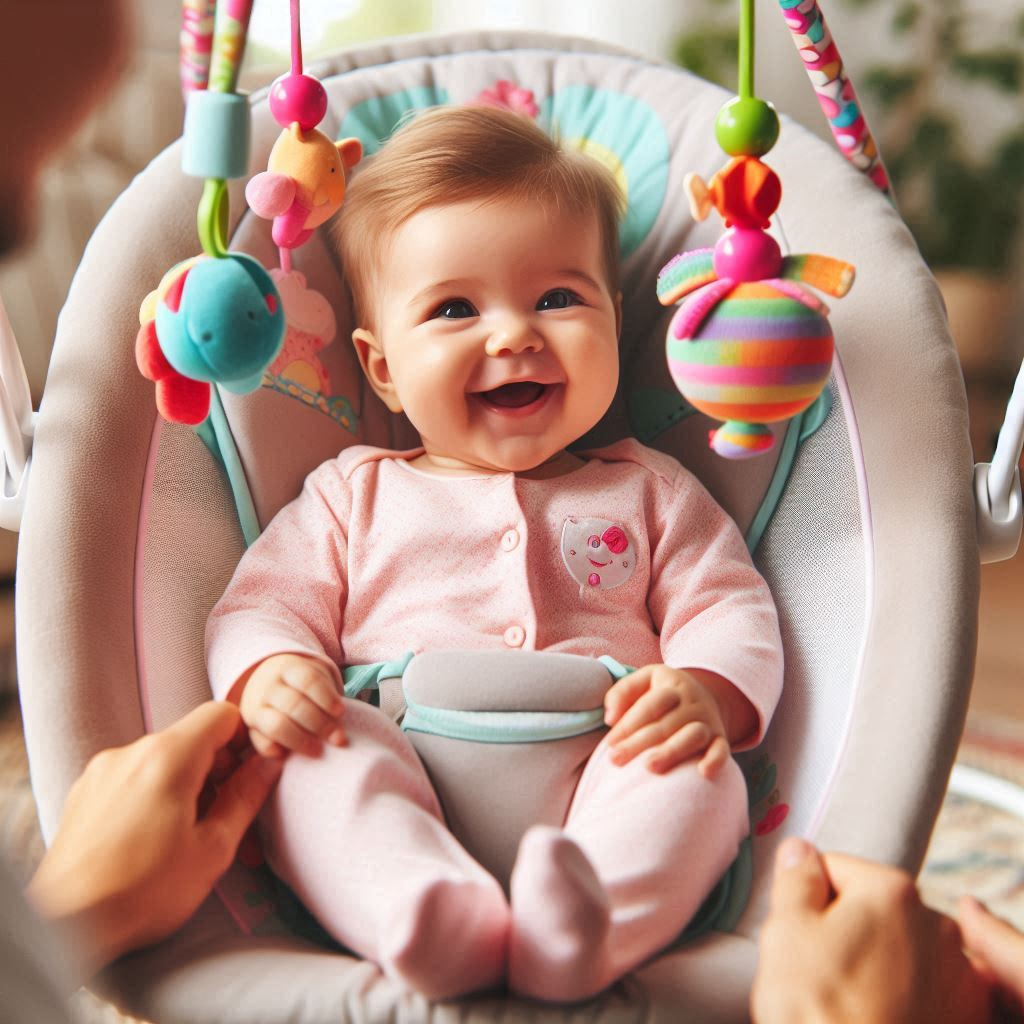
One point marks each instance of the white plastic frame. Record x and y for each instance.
(997, 492)
(17, 426)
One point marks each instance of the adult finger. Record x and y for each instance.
(209, 726)
(997, 944)
(224, 763)
(625, 693)
(237, 803)
(191, 744)
(801, 883)
(880, 884)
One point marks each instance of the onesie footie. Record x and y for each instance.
(561, 920)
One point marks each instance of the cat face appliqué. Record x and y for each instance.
(598, 553)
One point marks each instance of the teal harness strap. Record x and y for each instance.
(481, 726)
(616, 669)
(501, 726)
(368, 677)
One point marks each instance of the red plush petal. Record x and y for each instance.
(149, 357)
(182, 400)
(172, 300)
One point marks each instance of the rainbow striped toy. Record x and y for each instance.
(751, 345)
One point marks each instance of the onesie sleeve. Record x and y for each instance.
(713, 609)
(288, 593)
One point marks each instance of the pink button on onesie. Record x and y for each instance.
(627, 555)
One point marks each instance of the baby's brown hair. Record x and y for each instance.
(454, 154)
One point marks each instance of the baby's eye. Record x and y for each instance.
(454, 309)
(558, 298)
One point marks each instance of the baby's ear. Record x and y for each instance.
(375, 366)
(351, 151)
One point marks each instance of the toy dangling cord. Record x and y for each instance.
(751, 345)
(304, 183)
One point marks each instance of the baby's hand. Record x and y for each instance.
(290, 702)
(670, 711)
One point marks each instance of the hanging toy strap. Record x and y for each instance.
(296, 38)
(215, 143)
(747, 126)
(196, 44)
(834, 90)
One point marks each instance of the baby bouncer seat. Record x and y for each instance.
(861, 519)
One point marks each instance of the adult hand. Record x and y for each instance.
(851, 941)
(997, 949)
(144, 838)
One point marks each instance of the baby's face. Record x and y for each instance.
(497, 333)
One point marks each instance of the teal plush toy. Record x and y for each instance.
(221, 321)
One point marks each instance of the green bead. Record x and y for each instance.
(747, 126)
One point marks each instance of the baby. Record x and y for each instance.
(483, 262)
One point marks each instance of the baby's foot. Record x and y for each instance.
(452, 939)
(560, 920)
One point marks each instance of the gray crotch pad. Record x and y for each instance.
(492, 792)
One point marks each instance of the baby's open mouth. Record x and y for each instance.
(514, 396)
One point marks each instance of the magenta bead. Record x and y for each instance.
(298, 98)
(747, 254)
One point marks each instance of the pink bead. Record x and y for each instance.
(747, 254)
(594, 580)
(298, 98)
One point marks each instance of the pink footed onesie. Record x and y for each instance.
(627, 556)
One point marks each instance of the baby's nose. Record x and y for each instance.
(511, 335)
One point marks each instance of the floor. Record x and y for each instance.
(999, 671)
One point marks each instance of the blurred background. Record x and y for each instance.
(941, 81)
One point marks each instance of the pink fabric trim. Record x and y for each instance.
(141, 538)
(867, 530)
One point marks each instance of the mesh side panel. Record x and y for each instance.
(191, 543)
(814, 559)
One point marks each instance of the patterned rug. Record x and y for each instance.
(977, 847)
(978, 843)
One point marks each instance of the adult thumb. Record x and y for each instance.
(801, 882)
(239, 800)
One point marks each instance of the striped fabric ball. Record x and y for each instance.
(759, 357)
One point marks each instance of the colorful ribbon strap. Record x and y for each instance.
(835, 92)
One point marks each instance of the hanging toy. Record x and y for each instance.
(304, 182)
(751, 345)
(210, 321)
(214, 319)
